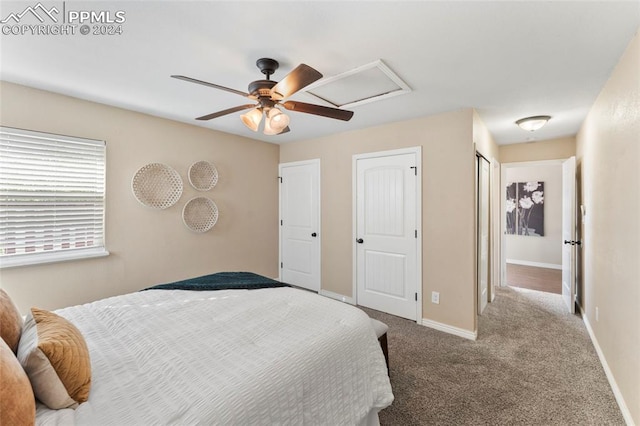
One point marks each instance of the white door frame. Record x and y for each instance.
(480, 157)
(503, 217)
(292, 164)
(569, 213)
(417, 151)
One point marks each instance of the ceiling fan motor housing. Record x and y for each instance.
(261, 88)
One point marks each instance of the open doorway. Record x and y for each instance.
(532, 239)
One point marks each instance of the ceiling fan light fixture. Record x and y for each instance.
(533, 123)
(268, 94)
(268, 130)
(277, 120)
(252, 119)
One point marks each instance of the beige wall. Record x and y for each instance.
(447, 206)
(550, 149)
(609, 156)
(483, 140)
(148, 246)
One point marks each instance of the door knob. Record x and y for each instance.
(359, 241)
(567, 242)
(314, 235)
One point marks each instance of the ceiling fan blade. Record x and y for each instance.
(215, 86)
(285, 130)
(225, 112)
(302, 76)
(339, 114)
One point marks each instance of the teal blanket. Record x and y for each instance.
(222, 281)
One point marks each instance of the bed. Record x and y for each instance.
(258, 356)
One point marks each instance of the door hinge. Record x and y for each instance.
(416, 297)
(416, 233)
(280, 177)
(281, 265)
(415, 170)
(281, 222)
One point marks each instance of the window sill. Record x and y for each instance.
(43, 258)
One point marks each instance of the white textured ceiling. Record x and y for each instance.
(506, 59)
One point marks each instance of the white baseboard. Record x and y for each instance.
(460, 332)
(536, 264)
(337, 296)
(626, 414)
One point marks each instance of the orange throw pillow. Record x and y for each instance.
(10, 322)
(16, 396)
(56, 359)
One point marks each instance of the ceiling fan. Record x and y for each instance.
(269, 95)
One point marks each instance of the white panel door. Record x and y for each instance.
(483, 233)
(569, 233)
(300, 224)
(386, 234)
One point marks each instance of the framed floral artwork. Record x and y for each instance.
(525, 208)
(512, 219)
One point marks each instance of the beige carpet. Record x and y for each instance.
(533, 364)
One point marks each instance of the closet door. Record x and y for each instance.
(483, 233)
(300, 224)
(387, 233)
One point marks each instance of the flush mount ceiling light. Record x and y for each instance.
(269, 94)
(533, 123)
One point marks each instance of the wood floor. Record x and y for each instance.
(531, 277)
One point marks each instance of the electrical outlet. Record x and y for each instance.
(597, 314)
(435, 297)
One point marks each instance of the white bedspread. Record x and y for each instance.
(277, 356)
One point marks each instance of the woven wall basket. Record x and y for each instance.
(200, 214)
(203, 175)
(157, 186)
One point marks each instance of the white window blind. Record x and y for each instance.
(52, 197)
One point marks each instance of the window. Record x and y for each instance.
(52, 197)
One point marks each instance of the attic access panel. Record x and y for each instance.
(368, 83)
